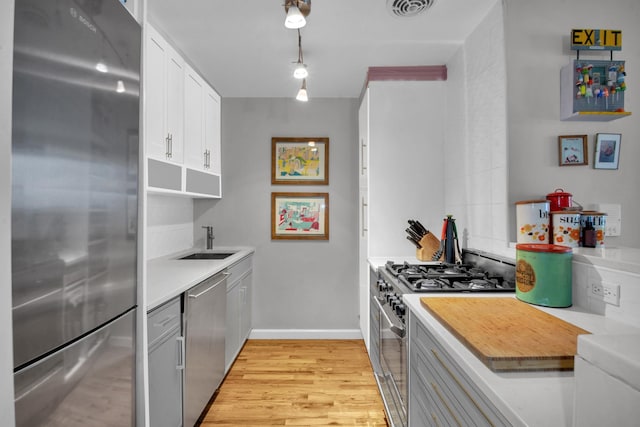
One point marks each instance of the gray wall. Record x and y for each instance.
(537, 40)
(6, 79)
(297, 284)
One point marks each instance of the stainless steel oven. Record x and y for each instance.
(393, 361)
(478, 272)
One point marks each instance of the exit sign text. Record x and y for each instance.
(588, 39)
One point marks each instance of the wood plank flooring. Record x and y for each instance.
(299, 383)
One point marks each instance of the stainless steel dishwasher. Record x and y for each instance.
(205, 313)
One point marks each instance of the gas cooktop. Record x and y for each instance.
(466, 277)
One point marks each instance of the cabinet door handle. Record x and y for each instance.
(180, 364)
(363, 206)
(165, 321)
(167, 151)
(205, 159)
(362, 167)
(170, 146)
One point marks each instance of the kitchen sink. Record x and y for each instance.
(209, 255)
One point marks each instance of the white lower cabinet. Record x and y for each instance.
(440, 394)
(238, 308)
(166, 364)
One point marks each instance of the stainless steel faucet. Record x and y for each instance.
(210, 236)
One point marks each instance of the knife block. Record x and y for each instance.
(430, 245)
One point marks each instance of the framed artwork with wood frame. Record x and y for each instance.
(607, 151)
(299, 161)
(572, 150)
(300, 216)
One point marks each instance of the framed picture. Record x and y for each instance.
(300, 161)
(607, 151)
(300, 216)
(572, 150)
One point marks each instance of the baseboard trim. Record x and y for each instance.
(305, 334)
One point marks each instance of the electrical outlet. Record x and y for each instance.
(611, 293)
(597, 290)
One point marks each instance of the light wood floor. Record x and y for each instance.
(299, 383)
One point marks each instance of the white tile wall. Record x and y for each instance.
(482, 111)
(169, 225)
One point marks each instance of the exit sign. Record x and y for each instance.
(587, 39)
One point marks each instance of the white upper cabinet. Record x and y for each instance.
(163, 109)
(212, 130)
(202, 124)
(181, 122)
(194, 153)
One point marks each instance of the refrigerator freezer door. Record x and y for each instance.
(88, 383)
(74, 170)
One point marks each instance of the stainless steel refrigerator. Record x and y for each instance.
(74, 212)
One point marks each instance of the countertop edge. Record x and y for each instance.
(168, 277)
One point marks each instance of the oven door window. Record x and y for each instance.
(393, 352)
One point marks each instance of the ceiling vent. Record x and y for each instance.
(408, 8)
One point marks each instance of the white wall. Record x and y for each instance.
(537, 42)
(6, 336)
(476, 143)
(308, 285)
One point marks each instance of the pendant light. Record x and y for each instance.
(296, 11)
(294, 18)
(120, 86)
(300, 71)
(302, 93)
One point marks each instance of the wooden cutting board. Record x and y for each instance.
(508, 334)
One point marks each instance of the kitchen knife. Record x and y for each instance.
(416, 228)
(418, 245)
(413, 234)
(421, 227)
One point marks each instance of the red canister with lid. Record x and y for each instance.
(559, 199)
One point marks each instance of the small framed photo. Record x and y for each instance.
(572, 150)
(299, 161)
(300, 216)
(607, 151)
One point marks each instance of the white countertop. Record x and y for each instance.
(168, 276)
(524, 398)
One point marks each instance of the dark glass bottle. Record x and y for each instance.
(589, 236)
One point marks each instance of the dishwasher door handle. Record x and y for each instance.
(210, 287)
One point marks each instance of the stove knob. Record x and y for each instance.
(400, 309)
(382, 286)
(394, 303)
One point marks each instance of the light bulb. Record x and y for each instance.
(120, 86)
(294, 18)
(102, 67)
(301, 71)
(302, 93)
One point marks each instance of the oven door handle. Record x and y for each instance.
(397, 330)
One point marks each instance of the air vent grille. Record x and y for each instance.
(408, 8)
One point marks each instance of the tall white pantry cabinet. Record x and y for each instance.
(401, 169)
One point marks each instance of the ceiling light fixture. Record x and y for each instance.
(296, 11)
(302, 93)
(102, 67)
(301, 68)
(120, 86)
